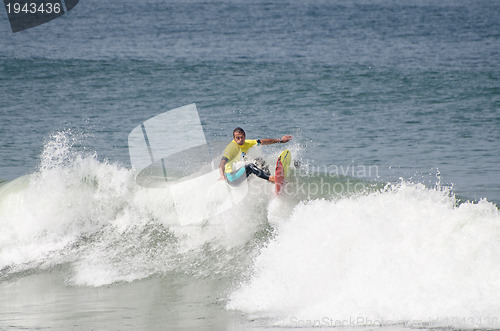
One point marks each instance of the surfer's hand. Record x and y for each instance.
(286, 139)
(221, 177)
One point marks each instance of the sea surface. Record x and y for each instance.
(390, 218)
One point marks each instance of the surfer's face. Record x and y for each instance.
(239, 138)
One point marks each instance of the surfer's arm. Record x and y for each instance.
(283, 139)
(222, 165)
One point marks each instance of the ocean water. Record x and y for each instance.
(390, 218)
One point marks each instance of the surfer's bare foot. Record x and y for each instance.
(271, 179)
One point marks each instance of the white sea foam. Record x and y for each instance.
(91, 214)
(407, 253)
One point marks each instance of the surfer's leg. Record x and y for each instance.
(237, 177)
(252, 169)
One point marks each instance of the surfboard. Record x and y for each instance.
(282, 165)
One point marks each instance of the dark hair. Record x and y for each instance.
(239, 130)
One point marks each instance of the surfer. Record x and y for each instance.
(236, 151)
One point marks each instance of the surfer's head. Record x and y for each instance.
(239, 136)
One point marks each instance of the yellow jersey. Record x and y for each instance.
(233, 152)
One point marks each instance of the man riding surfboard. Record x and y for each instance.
(236, 151)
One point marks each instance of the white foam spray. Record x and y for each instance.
(90, 214)
(407, 253)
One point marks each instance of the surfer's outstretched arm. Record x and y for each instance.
(283, 139)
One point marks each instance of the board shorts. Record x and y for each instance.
(236, 177)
